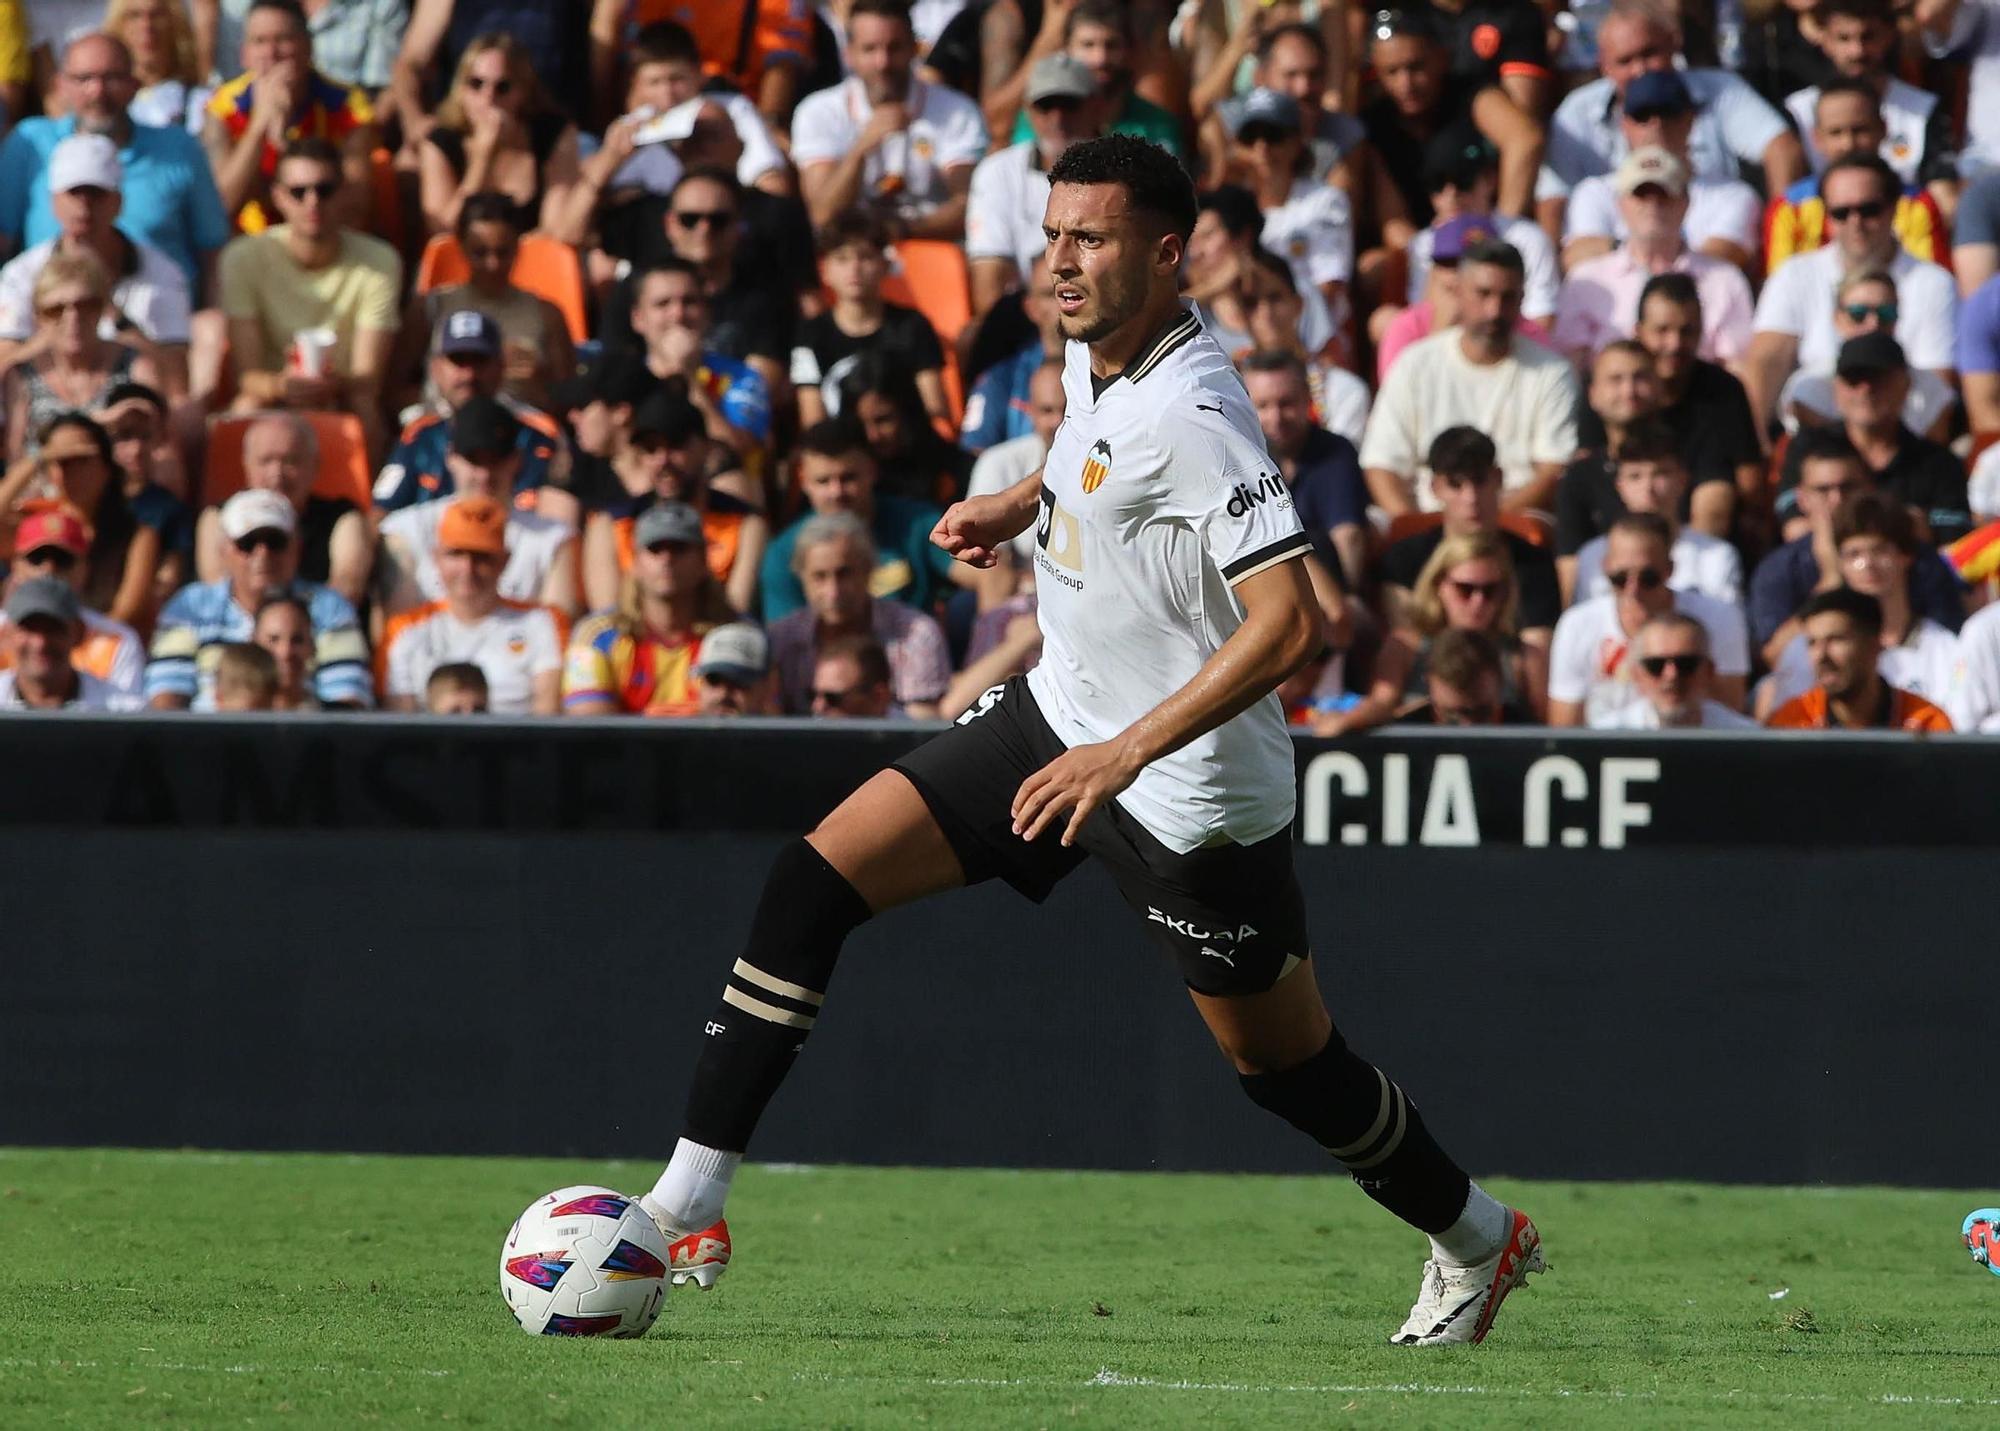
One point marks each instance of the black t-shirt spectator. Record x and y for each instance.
(1712, 420)
(1534, 572)
(1488, 40)
(1779, 61)
(776, 238)
(1401, 150)
(1789, 574)
(316, 526)
(822, 353)
(1329, 491)
(1923, 474)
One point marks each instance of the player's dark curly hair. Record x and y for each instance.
(1159, 186)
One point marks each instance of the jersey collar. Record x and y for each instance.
(1182, 330)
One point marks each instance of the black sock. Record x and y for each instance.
(773, 996)
(1352, 1109)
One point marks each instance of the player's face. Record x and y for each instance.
(1873, 565)
(835, 578)
(844, 483)
(1651, 487)
(1284, 409)
(1841, 655)
(1411, 71)
(1847, 124)
(1627, 48)
(1102, 259)
(1473, 594)
(879, 52)
(1671, 332)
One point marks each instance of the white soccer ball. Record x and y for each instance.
(584, 1262)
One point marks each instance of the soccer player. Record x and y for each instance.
(1173, 601)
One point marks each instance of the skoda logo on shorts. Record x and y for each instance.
(1097, 466)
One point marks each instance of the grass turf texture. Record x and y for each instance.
(198, 1288)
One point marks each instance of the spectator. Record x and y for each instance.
(170, 199)
(1658, 112)
(19, 60)
(457, 688)
(277, 101)
(1865, 302)
(1590, 666)
(733, 673)
(498, 132)
(1775, 54)
(1273, 310)
(1876, 543)
(1732, 125)
(1291, 59)
(52, 543)
(1001, 466)
(1445, 246)
(306, 278)
(1978, 359)
(750, 318)
(68, 366)
(1306, 223)
(468, 362)
(284, 630)
(1219, 274)
(1871, 388)
(149, 297)
(1975, 235)
(666, 74)
(1843, 636)
(1322, 470)
(760, 48)
(246, 678)
(554, 37)
(885, 138)
(335, 546)
(1970, 35)
(1481, 373)
(598, 405)
(1673, 673)
(1462, 173)
(1465, 484)
(911, 459)
(1651, 478)
(1847, 119)
(74, 466)
(832, 558)
(262, 558)
(1860, 42)
(850, 680)
(1624, 391)
(1010, 187)
(854, 260)
(173, 88)
(1794, 322)
(536, 346)
(670, 318)
(1098, 35)
(484, 460)
(997, 407)
(639, 658)
(354, 41)
(1600, 299)
(837, 472)
(150, 476)
(518, 646)
(1465, 684)
(669, 458)
(44, 627)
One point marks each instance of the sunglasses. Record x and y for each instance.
(1873, 209)
(1645, 576)
(1862, 312)
(835, 699)
(499, 88)
(322, 191)
(275, 541)
(1477, 590)
(673, 548)
(1265, 134)
(704, 218)
(55, 558)
(78, 306)
(1685, 665)
(1057, 104)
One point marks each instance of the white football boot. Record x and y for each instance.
(1456, 1304)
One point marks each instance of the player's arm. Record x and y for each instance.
(974, 530)
(1280, 632)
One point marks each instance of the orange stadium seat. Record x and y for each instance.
(939, 284)
(343, 458)
(1531, 530)
(545, 267)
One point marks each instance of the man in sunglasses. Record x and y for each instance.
(1591, 666)
(850, 680)
(1794, 324)
(54, 544)
(260, 555)
(1843, 631)
(1673, 673)
(1847, 119)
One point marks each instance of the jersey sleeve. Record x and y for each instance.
(1245, 513)
(341, 673)
(821, 131)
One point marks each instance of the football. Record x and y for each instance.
(584, 1262)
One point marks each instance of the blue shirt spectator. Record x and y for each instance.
(1785, 578)
(1733, 125)
(417, 472)
(206, 616)
(997, 408)
(1979, 355)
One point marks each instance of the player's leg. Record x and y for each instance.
(879, 849)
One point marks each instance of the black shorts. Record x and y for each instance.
(1231, 915)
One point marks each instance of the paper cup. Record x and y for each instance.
(312, 351)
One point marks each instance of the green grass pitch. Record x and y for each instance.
(211, 1289)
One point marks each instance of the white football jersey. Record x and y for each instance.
(1158, 495)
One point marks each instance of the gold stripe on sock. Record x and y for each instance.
(1361, 1144)
(776, 985)
(1395, 1135)
(771, 1013)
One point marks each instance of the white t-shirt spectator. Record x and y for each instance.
(1975, 40)
(1590, 656)
(1726, 209)
(1798, 300)
(1003, 213)
(1906, 113)
(153, 294)
(1702, 563)
(1526, 403)
(1924, 663)
(1538, 257)
(1002, 466)
(1342, 398)
(919, 659)
(512, 645)
(1643, 715)
(945, 131)
(533, 543)
(1976, 699)
(1313, 231)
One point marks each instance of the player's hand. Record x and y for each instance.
(1079, 780)
(973, 531)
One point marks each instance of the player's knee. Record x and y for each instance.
(808, 908)
(1259, 1059)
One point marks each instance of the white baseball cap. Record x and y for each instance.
(253, 510)
(85, 161)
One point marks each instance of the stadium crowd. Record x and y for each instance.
(1632, 365)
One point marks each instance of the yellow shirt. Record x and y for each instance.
(17, 61)
(355, 293)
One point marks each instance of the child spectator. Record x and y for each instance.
(853, 261)
(456, 688)
(246, 678)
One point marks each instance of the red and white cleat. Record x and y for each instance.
(1456, 1304)
(700, 1257)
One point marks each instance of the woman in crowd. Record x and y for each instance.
(284, 628)
(165, 64)
(66, 366)
(497, 131)
(912, 460)
(73, 465)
